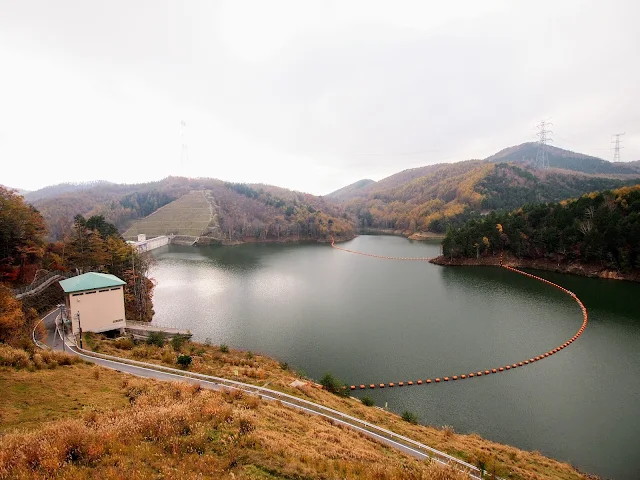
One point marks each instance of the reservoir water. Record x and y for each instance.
(368, 320)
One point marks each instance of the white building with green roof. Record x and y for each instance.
(95, 302)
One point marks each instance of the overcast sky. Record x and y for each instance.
(305, 95)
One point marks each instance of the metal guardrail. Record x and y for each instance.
(41, 280)
(296, 402)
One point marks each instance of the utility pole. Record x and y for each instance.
(617, 147)
(60, 308)
(542, 159)
(79, 328)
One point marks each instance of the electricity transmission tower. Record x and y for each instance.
(184, 153)
(617, 147)
(542, 159)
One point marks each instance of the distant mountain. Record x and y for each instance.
(62, 188)
(350, 191)
(430, 198)
(226, 212)
(21, 191)
(562, 159)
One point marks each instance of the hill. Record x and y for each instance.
(599, 230)
(225, 212)
(430, 198)
(64, 418)
(350, 191)
(562, 159)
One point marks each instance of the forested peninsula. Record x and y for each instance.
(597, 234)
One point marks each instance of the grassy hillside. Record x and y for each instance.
(193, 214)
(106, 424)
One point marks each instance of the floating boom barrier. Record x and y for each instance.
(478, 373)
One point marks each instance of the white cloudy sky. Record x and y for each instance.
(301, 94)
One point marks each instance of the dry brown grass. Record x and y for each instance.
(37, 359)
(31, 397)
(173, 430)
(503, 460)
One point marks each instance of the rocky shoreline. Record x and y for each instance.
(572, 268)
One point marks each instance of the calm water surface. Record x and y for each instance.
(370, 321)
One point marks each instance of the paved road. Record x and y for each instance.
(158, 372)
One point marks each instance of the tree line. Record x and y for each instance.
(92, 245)
(601, 228)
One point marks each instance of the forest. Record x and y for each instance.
(601, 228)
(450, 195)
(92, 245)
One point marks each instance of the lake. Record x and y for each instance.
(368, 320)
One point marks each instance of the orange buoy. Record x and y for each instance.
(479, 374)
(353, 387)
(362, 387)
(455, 377)
(382, 385)
(446, 379)
(391, 384)
(409, 382)
(428, 380)
(463, 377)
(508, 367)
(419, 382)
(437, 380)
(520, 364)
(471, 375)
(526, 362)
(487, 372)
(372, 386)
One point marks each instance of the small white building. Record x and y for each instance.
(95, 302)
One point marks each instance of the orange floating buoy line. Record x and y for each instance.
(490, 371)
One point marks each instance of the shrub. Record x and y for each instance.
(410, 417)
(333, 385)
(249, 354)
(184, 360)
(368, 401)
(224, 348)
(156, 338)
(123, 343)
(178, 341)
(284, 365)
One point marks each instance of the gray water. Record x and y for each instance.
(368, 320)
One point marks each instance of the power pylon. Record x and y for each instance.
(184, 153)
(617, 147)
(542, 159)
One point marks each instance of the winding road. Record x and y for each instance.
(404, 444)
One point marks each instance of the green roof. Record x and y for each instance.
(90, 281)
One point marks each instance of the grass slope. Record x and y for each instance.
(123, 427)
(189, 215)
(508, 462)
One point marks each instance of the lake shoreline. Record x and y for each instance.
(574, 268)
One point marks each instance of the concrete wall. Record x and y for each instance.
(151, 243)
(100, 310)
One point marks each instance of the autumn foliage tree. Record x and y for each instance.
(22, 232)
(95, 245)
